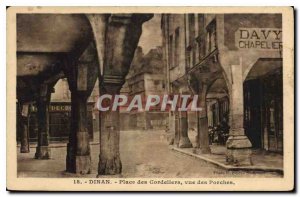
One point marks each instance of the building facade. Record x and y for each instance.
(230, 61)
(145, 78)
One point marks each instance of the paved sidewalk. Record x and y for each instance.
(262, 161)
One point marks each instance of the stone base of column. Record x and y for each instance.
(184, 142)
(83, 164)
(238, 151)
(24, 149)
(176, 143)
(203, 150)
(42, 152)
(170, 139)
(111, 166)
(197, 145)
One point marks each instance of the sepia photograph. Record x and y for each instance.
(150, 98)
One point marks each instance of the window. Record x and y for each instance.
(188, 58)
(201, 37)
(171, 51)
(211, 43)
(191, 50)
(191, 25)
(177, 49)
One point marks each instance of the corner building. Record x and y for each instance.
(234, 63)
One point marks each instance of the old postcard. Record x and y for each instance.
(150, 98)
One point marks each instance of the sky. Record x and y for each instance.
(151, 35)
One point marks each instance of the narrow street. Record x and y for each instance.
(143, 154)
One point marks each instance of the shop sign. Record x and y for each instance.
(54, 108)
(258, 38)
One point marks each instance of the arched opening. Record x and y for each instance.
(60, 114)
(263, 105)
(218, 111)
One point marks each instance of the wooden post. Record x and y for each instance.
(122, 33)
(78, 150)
(42, 149)
(109, 157)
(23, 111)
(82, 75)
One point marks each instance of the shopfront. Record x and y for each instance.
(263, 105)
(59, 121)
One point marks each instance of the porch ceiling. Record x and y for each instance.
(44, 39)
(263, 67)
(218, 86)
(51, 32)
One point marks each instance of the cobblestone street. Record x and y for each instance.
(143, 154)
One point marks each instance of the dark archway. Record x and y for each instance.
(217, 100)
(263, 104)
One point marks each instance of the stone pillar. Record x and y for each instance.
(171, 129)
(78, 148)
(109, 157)
(238, 145)
(203, 137)
(184, 141)
(147, 121)
(23, 126)
(176, 129)
(42, 149)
